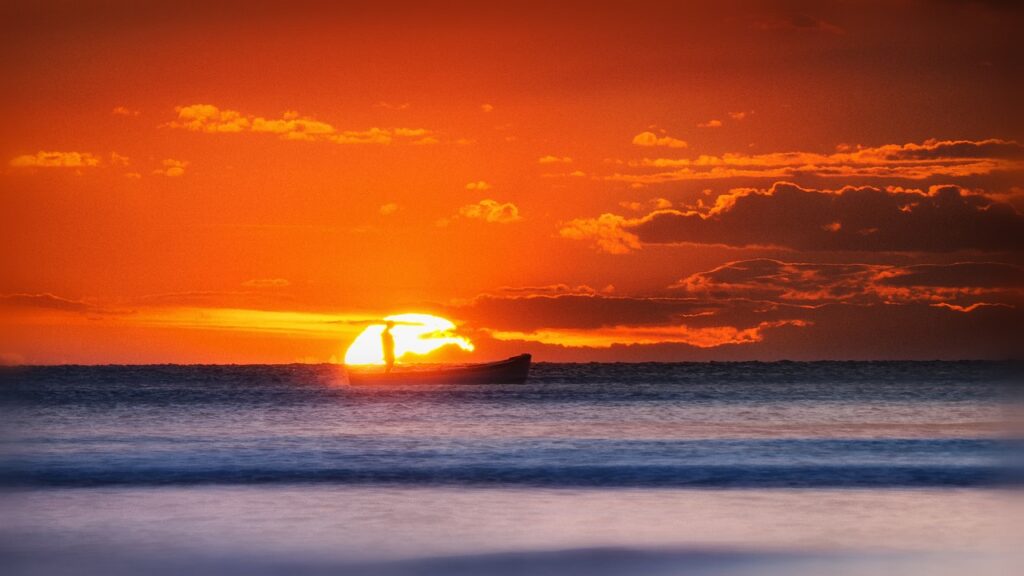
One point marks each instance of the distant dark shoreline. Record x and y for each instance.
(1009, 362)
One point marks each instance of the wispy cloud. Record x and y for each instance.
(962, 284)
(650, 139)
(391, 106)
(55, 159)
(267, 283)
(609, 232)
(290, 126)
(478, 185)
(915, 161)
(850, 218)
(172, 168)
(550, 159)
(491, 211)
(124, 111)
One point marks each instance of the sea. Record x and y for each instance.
(594, 469)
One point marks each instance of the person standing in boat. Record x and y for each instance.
(387, 343)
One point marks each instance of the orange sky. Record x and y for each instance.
(635, 181)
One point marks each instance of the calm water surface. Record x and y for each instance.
(599, 469)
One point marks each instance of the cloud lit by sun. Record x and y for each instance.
(418, 334)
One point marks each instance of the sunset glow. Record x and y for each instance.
(608, 181)
(415, 334)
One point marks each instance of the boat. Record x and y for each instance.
(513, 370)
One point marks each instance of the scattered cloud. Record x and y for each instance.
(209, 118)
(267, 283)
(599, 319)
(774, 309)
(738, 115)
(573, 174)
(54, 159)
(491, 211)
(549, 159)
(124, 111)
(764, 331)
(388, 209)
(487, 108)
(710, 124)
(609, 232)
(290, 126)
(700, 337)
(915, 161)
(529, 311)
(390, 106)
(45, 301)
(549, 290)
(962, 284)
(478, 185)
(851, 218)
(652, 204)
(172, 168)
(651, 139)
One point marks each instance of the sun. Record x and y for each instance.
(418, 334)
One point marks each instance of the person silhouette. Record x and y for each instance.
(387, 343)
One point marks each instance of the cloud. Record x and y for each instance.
(209, 118)
(388, 209)
(651, 139)
(550, 290)
(529, 309)
(487, 108)
(652, 204)
(478, 185)
(772, 309)
(702, 337)
(172, 168)
(738, 115)
(573, 174)
(390, 106)
(830, 331)
(290, 126)
(43, 301)
(973, 275)
(961, 284)
(267, 283)
(940, 219)
(609, 232)
(915, 161)
(293, 126)
(124, 111)
(491, 211)
(580, 323)
(54, 159)
(549, 159)
(710, 124)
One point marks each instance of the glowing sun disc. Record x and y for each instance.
(413, 333)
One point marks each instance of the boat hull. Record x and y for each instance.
(514, 370)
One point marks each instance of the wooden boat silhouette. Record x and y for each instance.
(513, 370)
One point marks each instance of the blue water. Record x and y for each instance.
(706, 466)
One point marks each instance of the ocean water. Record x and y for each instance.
(731, 468)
